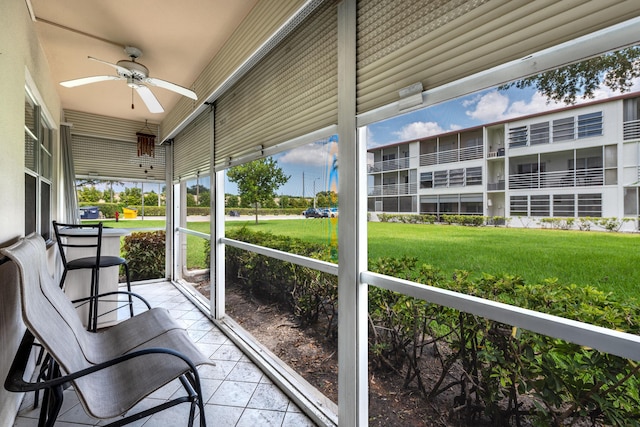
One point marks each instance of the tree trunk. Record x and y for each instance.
(256, 213)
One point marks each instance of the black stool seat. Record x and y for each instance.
(88, 238)
(90, 262)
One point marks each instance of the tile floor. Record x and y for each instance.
(235, 391)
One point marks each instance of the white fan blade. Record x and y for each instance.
(120, 69)
(171, 86)
(87, 80)
(149, 99)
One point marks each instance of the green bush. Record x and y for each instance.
(306, 292)
(498, 372)
(145, 254)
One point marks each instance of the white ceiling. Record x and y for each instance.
(177, 38)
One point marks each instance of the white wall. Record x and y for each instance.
(19, 51)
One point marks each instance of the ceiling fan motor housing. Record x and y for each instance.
(138, 71)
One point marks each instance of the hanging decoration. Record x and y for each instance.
(146, 147)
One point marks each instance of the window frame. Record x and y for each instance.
(38, 197)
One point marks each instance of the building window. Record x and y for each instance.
(518, 205)
(518, 137)
(426, 180)
(631, 118)
(540, 206)
(539, 133)
(564, 205)
(631, 201)
(456, 177)
(590, 125)
(38, 170)
(440, 179)
(563, 130)
(474, 176)
(589, 205)
(471, 204)
(610, 165)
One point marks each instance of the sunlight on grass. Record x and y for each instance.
(605, 260)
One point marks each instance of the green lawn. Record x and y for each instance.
(606, 260)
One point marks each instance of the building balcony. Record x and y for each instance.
(392, 189)
(389, 165)
(495, 186)
(451, 156)
(564, 178)
(495, 154)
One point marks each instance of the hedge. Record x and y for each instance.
(499, 372)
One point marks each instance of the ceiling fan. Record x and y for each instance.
(136, 75)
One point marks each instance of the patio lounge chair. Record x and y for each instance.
(110, 371)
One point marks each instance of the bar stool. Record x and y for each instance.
(89, 238)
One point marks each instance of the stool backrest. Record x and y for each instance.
(86, 236)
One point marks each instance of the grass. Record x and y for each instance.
(605, 260)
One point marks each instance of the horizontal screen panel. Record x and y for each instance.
(107, 159)
(192, 148)
(451, 39)
(291, 92)
(259, 25)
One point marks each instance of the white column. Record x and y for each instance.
(352, 257)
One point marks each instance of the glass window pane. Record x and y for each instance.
(45, 210)
(30, 114)
(30, 204)
(30, 147)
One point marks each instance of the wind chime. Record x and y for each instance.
(146, 148)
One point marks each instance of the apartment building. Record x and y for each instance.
(578, 161)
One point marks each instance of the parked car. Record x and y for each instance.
(325, 212)
(312, 213)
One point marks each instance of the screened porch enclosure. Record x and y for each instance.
(331, 71)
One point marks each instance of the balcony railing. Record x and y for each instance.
(494, 154)
(565, 178)
(451, 156)
(631, 129)
(393, 189)
(390, 165)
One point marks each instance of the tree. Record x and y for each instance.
(131, 196)
(258, 181)
(616, 70)
(89, 194)
(151, 199)
(232, 201)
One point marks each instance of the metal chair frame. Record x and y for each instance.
(92, 242)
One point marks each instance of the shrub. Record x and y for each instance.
(145, 254)
(306, 292)
(509, 375)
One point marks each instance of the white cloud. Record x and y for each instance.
(419, 130)
(491, 107)
(311, 155)
(537, 104)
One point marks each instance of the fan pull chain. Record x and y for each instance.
(132, 107)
